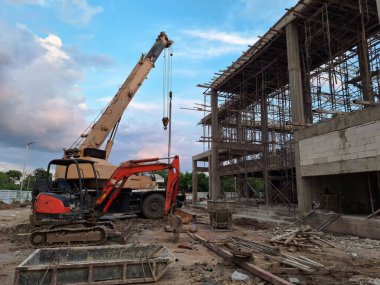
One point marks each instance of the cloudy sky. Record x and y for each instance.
(62, 60)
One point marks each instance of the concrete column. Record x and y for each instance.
(303, 184)
(297, 98)
(273, 141)
(264, 139)
(378, 8)
(239, 129)
(195, 182)
(215, 187)
(209, 176)
(365, 72)
(295, 76)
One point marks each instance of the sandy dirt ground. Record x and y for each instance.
(352, 261)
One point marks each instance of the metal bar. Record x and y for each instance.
(267, 276)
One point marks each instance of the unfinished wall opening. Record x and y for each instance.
(354, 193)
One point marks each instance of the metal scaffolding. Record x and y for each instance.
(339, 63)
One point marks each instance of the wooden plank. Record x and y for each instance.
(374, 214)
(290, 238)
(322, 240)
(267, 276)
(291, 262)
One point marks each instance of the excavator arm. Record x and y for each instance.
(115, 184)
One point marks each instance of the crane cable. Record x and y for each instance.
(170, 101)
(167, 93)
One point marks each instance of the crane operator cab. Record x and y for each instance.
(66, 198)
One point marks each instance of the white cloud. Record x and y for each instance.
(73, 12)
(5, 166)
(53, 45)
(223, 37)
(40, 99)
(105, 99)
(27, 2)
(147, 107)
(82, 106)
(78, 12)
(211, 43)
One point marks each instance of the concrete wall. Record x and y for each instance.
(349, 225)
(332, 154)
(347, 144)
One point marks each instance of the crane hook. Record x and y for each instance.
(165, 122)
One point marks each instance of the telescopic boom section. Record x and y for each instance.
(112, 114)
(121, 174)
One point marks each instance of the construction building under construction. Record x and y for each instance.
(299, 110)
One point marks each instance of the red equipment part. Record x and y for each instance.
(121, 174)
(50, 204)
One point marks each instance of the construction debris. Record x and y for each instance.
(237, 276)
(302, 263)
(266, 275)
(299, 238)
(254, 246)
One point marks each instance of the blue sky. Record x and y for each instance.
(62, 60)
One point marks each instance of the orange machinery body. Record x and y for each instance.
(121, 174)
(49, 203)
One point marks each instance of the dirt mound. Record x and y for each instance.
(252, 224)
(15, 204)
(18, 234)
(4, 206)
(140, 224)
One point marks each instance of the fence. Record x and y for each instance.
(9, 196)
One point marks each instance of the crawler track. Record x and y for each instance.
(68, 237)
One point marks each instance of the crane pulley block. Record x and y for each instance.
(165, 122)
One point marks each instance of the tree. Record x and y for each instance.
(228, 184)
(4, 181)
(14, 175)
(40, 173)
(185, 181)
(202, 182)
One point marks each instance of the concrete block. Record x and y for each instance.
(372, 146)
(371, 153)
(377, 161)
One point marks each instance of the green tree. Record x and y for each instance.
(30, 182)
(228, 184)
(14, 175)
(202, 182)
(40, 173)
(185, 181)
(4, 181)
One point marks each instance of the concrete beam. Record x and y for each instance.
(203, 156)
(345, 121)
(252, 148)
(202, 169)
